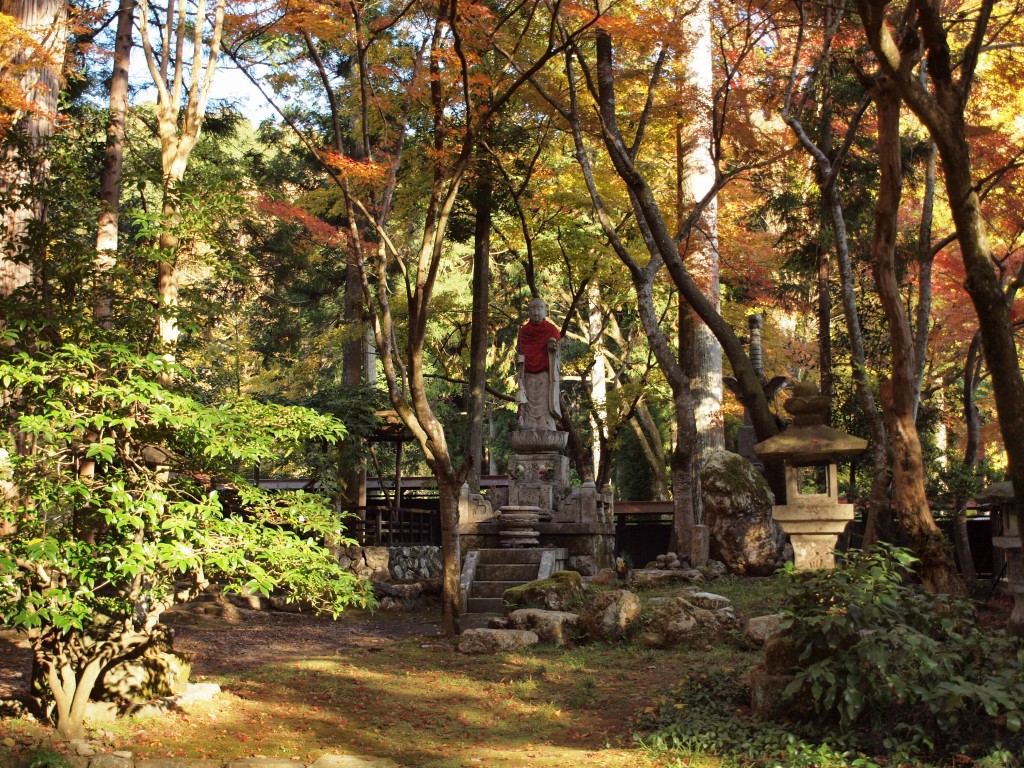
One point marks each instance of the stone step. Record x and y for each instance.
(519, 572)
(510, 556)
(491, 588)
(485, 605)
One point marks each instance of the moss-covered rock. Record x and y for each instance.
(738, 510)
(562, 592)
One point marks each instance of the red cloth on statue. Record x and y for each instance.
(533, 344)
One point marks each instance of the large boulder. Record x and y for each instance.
(609, 615)
(562, 592)
(738, 510)
(551, 626)
(697, 620)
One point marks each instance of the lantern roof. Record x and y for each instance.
(808, 440)
(811, 444)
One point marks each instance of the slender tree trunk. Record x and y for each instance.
(937, 569)
(482, 203)
(113, 160)
(972, 416)
(825, 380)
(925, 259)
(650, 445)
(684, 476)
(598, 377)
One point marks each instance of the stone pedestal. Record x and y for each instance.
(813, 532)
(537, 480)
(1006, 543)
(517, 526)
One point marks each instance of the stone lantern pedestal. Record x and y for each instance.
(1006, 537)
(813, 516)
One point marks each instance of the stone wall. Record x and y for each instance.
(398, 564)
(414, 563)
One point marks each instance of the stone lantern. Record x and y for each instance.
(810, 451)
(1007, 538)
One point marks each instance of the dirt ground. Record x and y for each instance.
(255, 638)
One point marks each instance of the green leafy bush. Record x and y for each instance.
(113, 508)
(709, 715)
(881, 656)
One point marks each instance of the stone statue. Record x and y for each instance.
(537, 363)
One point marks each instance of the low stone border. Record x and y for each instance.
(126, 760)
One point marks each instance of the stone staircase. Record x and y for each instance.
(487, 573)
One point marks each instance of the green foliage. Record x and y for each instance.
(708, 715)
(119, 503)
(882, 655)
(954, 482)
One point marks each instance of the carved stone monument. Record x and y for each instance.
(543, 508)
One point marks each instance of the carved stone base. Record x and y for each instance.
(518, 526)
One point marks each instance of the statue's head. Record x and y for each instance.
(538, 310)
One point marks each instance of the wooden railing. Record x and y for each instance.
(383, 526)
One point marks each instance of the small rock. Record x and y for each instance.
(353, 761)
(81, 747)
(710, 601)
(477, 641)
(760, 628)
(550, 626)
(111, 761)
(610, 614)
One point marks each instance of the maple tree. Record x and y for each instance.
(943, 110)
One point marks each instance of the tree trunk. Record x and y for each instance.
(113, 160)
(702, 352)
(942, 111)
(482, 203)
(972, 417)
(938, 572)
(662, 245)
(598, 380)
(825, 379)
(684, 476)
(925, 259)
(45, 22)
(448, 488)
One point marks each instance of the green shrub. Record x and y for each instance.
(90, 559)
(708, 715)
(884, 656)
